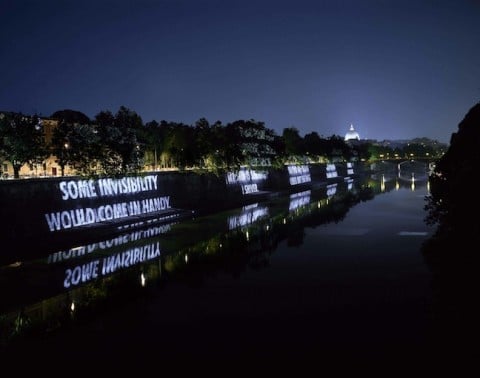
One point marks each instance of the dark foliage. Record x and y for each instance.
(452, 253)
(70, 116)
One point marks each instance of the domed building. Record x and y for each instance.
(352, 134)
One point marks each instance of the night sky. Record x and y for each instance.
(395, 69)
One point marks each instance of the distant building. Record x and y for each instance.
(352, 134)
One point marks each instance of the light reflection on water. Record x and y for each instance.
(340, 237)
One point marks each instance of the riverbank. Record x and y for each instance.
(55, 210)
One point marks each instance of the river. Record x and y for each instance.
(329, 276)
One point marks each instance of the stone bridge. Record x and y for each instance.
(404, 169)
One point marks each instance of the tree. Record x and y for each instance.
(362, 151)
(338, 148)
(128, 124)
(293, 142)
(313, 144)
(76, 145)
(453, 203)
(151, 138)
(417, 150)
(203, 140)
(21, 140)
(180, 144)
(60, 146)
(120, 150)
(231, 152)
(71, 116)
(108, 158)
(255, 142)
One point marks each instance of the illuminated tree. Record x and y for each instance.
(151, 137)
(76, 145)
(203, 141)
(21, 140)
(61, 148)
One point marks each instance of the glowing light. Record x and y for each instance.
(299, 174)
(397, 185)
(331, 171)
(72, 307)
(382, 184)
(247, 235)
(142, 279)
(249, 215)
(331, 190)
(247, 179)
(186, 259)
(284, 221)
(298, 200)
(91, 270)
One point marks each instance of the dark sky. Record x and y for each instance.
(395, 69)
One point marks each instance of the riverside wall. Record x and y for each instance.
(48, 210)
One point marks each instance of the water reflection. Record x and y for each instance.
(300, 199)
(249, 214)
(410, 174)
(79, 279)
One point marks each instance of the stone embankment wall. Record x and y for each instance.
(42, 210)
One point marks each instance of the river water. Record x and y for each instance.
(326, 276)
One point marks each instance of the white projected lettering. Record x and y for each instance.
(349, 169)
(349, 182)
(244, 176)
(300, 179)
(247, 179)
(117, 241)
(331, 171)
(331, 190)
(249, 215)
(299, 174)
(78, 189)
(101, 267)
(66, 219)
(299, 199)
(105, 187)
(249, 188)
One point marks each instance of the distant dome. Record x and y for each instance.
(352, 134)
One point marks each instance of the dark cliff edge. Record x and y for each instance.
(453, 252)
